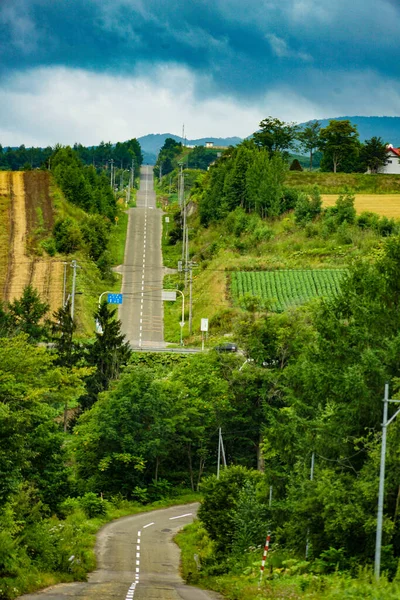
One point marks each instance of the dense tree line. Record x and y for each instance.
(248, 177)
(339, 143)
(166, 159)
(122, 153)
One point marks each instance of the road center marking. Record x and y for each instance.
(181, 516)
(148, 525)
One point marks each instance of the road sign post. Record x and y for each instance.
(114, 298)
(381, 494)
(203, 329)
(170, 295)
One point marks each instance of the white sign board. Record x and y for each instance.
(167, 219)
(168, 295)
(204, 325)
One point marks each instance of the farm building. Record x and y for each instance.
(393, 165)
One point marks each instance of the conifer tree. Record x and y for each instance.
(109, 353)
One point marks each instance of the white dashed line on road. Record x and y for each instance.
(148, 525)
(181, 516)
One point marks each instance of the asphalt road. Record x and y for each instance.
(141, 313)
(137, 560)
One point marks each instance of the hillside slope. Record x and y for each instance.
(26, 217)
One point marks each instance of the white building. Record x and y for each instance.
(393, 165)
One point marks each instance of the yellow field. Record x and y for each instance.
(387, 205)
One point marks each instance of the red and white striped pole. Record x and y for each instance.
(264, 558)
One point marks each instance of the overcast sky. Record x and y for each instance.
(91, 70)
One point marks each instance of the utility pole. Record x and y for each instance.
(183, 215)
(221, 450)
(311, 479)
(74, 267)
(65, 283)
(186, 255)
(190, 296)
(381, 493)
(112, 174)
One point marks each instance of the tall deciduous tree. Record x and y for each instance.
(276, 136)
(374, 154)
(309, 138)
(264, 183)
(340, 145)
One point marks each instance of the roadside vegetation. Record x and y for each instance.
(322, 366)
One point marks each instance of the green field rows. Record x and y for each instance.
(282, 289)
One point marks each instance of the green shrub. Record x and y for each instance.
(222, 497)
(67, 236)
(93, 505)
(345, 210)
(368, 220)
(96, 234)
(290, 196)
(49, 246)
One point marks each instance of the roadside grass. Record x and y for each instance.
(331, 183)
(118, 238)
(292, 578)
(71, 544)
(387, 205)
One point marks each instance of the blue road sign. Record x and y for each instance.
(114, 298)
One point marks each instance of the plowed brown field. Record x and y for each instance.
(26, 216)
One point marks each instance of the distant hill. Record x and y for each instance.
(388, 128)
(152, 143)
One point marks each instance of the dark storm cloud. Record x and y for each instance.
(245, 48)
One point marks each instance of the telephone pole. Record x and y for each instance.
(112, 174)
(64, 283)
(190, 296)
(74, 267)
(221, 450)
(381, 494)
(311, 479)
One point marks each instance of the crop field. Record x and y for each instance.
(331, 183)
(387, 205)
(282, 289)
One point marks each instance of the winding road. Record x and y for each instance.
(141, 313)
(137, 560)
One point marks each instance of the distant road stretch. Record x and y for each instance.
(141, 313)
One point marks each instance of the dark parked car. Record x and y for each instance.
(228, 347)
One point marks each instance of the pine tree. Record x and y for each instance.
(109, 354)
(28, 312)
(63, 329)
